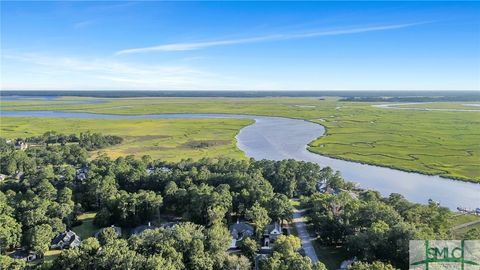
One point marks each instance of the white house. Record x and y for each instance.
(272, 231)
(67, 239)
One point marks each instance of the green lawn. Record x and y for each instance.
(331, 256)
(460, 232)
(86, 229)
(51, 254)
(430, 142)
(462, 219)
(459, 219)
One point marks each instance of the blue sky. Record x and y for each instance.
(154, 45)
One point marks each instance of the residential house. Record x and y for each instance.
(321, 185)
(165, 169)
(118, 231)
(67, 239)
(347, 263)
(140, 229)
(238, 231)
(21, 145)
(272, 231)
(170, 224)
(19, 175)
(21, 254)
(82, 173)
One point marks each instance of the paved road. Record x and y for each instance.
(305, 237)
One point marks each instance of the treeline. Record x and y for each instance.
(375, 228)
(205, 192)
(89, 141)
(127, 192)
(185, 246)
(51, 95)
(453, 98)
(51, 148)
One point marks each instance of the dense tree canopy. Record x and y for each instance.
(376, 228)
(52, 182)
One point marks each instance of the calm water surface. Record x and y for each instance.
(279, 138)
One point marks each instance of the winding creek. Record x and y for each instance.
(279, 138)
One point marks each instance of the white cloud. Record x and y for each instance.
(83, 24)
(275, 37)
(39, 71)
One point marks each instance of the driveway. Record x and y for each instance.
(303, 234)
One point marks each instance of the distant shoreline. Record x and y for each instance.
(350, 95)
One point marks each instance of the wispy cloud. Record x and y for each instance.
(265, 38)
(76, 73)
(83, 24)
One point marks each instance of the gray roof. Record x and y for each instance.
(241, 227)
(239, 230)
(21, 254)
(271, 227)
(140, 229)
(67, 238)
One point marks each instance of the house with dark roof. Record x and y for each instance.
(21, 145)
(140, 229)
(239, 231)
(21, 254)
(82, 173)
(321, 185)
(67, 239)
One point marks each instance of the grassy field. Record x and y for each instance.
(167, 139)
(431, 142)
(86, 229)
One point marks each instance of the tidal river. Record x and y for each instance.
(279, 138)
